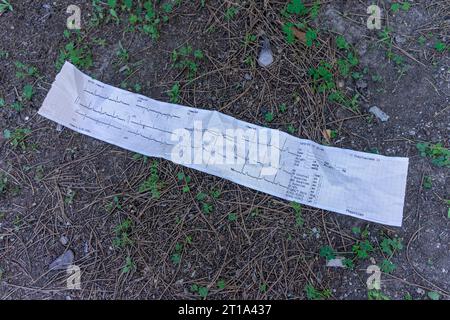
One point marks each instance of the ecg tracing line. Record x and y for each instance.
(158, 112)
(150, 127)
(149, 138)
(106, 98)
(114, 116)
(97, 121)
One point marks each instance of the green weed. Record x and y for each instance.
(152, 184)
(299, 221)
(314, 294)
(129, 265)
(439, 155)
(122, 234)
(187, 58)
(5, 5)
(17, 137)
(174, 93)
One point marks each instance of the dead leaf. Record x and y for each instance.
(299, 34)
(327, 134)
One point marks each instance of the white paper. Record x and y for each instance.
(362, 185)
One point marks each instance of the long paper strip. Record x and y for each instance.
(362, 185)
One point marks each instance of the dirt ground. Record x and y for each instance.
(62, 192)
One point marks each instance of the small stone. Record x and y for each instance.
(265, 58)
(335, 263)
(420, 291)
(64, 240)
(248, 77)
(63, 261)
(377, 112)
(361, 84)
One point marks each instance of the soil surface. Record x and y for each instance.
(63, 193)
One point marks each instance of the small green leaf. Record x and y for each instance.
(221, 284)
(7, 134)
(203, 292)
(433, 295)
(327, 252)
(201, 196)
(269, 116)
(232, 217)
(28, 91)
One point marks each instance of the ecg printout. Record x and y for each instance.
(358, 184)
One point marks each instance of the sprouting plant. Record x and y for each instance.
(254, 213)
(122, 54)
(250, 38)
(185, 180)
(174, 93)
(178, 250)
(221, 284)
(422, 40)
(311, 36)
(215, 193)
(362, 249)
(28, 91)
(377, 78)
(439, 155)
(387, 266)
(427, 182)
(122, 234)
(232, 217)
(263, 287)
(186, 58)
(296, 7)
(230, 13)
(433, 295)
(397, 6)
(299, 221)
(389, 246)
(269, 116)
(327, 252)
(138, 156)
(17, 106)
(341, 43)
(5, 5)
(376, 295)
(152, 183)
(386, 36)
(70, 195)
(202, 291)
(323, 77)
(291, 129)
(114, 204)
(23, 70)
(314, 294)
(79, 55)
(17, 137)
(207, 208)
(440, 46)
(112, 10)
(201, 196)
(129, 265)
